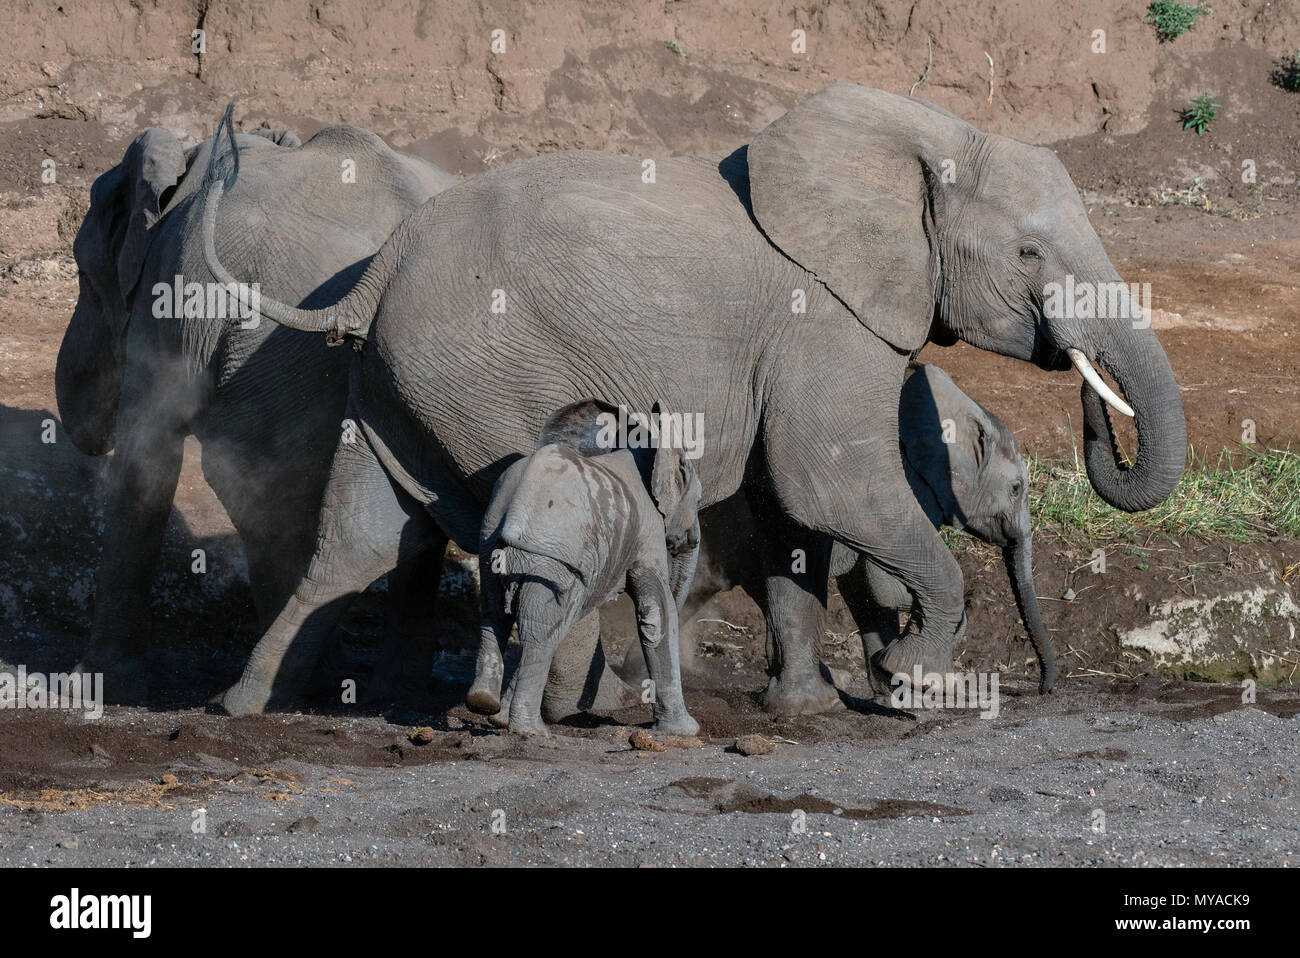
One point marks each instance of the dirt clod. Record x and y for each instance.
(643, 741)
(754, 744)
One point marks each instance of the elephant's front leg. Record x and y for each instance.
(796, 563)
(142, 481)
(834, 465)
(580, 677)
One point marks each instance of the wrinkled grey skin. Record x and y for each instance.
(266, 403)
(781, 294)
(564, 533)
(977, 482)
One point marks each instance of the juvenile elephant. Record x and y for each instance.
(778, 295)
(964, 469)
(143, 364)
(567, 529)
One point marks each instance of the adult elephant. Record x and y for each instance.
(780, 295)
(142, 364)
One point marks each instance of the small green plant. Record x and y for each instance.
(1200, 114)
(675, 47)
(1290, 73)
(1172, 19)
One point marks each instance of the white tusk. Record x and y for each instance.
(1091, 377)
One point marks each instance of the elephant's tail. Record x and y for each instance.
(350, 316)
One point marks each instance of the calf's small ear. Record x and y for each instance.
(670, 478)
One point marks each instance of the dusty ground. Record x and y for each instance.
(1184, 772)
(1180, 775)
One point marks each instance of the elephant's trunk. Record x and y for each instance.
(1019, 561)
(1134, 359)
(350, 316)
(88, 378)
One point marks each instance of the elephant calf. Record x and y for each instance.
(966, 471)
(567, 529)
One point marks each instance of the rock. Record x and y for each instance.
(71, 844)
(422, 735)
(754, 745)
(169, 779)
(307, 824)
(1220, 638)
(99, 751)
(643, 741)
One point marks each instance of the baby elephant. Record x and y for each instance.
(964, 468)
(568, 529)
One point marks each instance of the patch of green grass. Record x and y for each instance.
(1201, 114)
(1245, 496)
(675, 47)
(1172, 19)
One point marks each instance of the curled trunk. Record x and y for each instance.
(1139, 367)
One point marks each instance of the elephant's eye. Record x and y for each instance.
(1030, 253)
(1016, 488)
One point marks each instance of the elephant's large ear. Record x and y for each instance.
(153, 164)
(843, 185)
(585, 425)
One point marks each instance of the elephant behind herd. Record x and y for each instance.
(780, 295)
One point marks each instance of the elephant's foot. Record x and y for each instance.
(899, 662)
(485, 701)
(682, 724)
(564, 700)
(126, 673)
(243, 698)
(800, 695)
(501, 717)
(484, 694)
(529, 727)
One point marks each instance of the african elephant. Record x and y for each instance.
(569, 528)
(143, 364)
(778, 295)
(965, 470)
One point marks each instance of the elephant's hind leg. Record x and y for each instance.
(545, 615)
(797, 563)
(366, 527)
